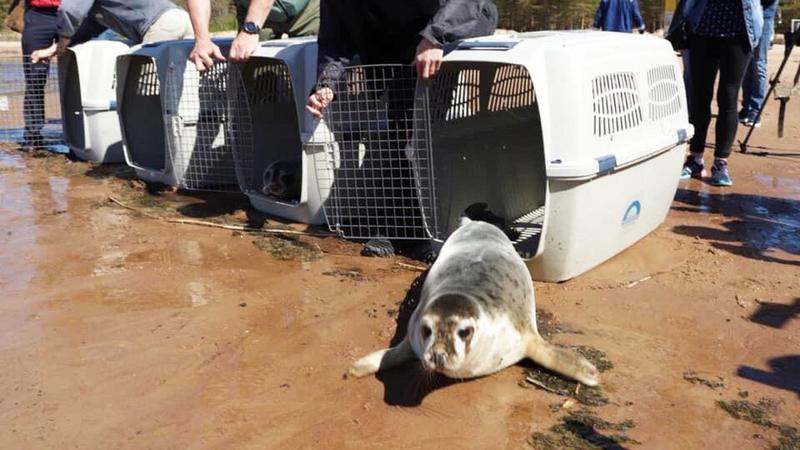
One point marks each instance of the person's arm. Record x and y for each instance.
(245, 44)
(455, 20)
(599, 15)
(638, 21)
(334, 53)
(205, 51)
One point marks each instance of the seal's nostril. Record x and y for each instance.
(439, 358)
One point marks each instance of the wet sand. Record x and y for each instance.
(122, 331)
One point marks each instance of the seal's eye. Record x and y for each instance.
(465, 333)
(426, 332)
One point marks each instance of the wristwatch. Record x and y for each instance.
(250, 28)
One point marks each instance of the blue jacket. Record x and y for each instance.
(753, 17)
(618, 15)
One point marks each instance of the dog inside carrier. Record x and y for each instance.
(175, 120)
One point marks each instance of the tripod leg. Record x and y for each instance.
(782, 116)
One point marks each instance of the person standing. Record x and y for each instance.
(258, 19)
(722, 35)
(619, 15)
(39, 31)
(754, 85)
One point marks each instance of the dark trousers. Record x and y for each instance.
(708, 56)
(40, 32)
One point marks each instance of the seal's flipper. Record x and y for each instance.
(564, 361)
(382, 360)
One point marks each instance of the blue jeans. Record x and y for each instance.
(754, 85)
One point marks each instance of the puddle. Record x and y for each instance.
(191, 253)
(111, 261)
(11, 161)
(59, 186)
(789, 184)
(198, 293)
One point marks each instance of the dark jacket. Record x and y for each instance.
(388, 31)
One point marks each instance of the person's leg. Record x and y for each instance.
(734, 58)
(39, 32)
(687, 77)
(754, 85)
(173, 24)
(703, 60)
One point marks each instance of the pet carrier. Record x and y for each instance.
(30, 114)
(277, 144)
(570, 141)
(174, 119)
(88, 100)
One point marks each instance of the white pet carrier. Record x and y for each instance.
(277, 143)
(572, 142)
(89, 102)
(174, 118)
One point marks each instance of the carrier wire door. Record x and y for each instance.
(197, 117)
(378, 179)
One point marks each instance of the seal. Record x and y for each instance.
(282, 180)
(477, 315)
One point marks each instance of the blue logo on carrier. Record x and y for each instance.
(632, 213)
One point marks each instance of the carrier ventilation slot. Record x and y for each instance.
(529, 228)
(147, 80)
(512, 89)
(463, 89)
(616, 104)
(665, 99)
(272, 85)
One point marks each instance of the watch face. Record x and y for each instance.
(250, 28)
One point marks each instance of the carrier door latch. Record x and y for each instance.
(605, 164)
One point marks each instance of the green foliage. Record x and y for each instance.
(3, 12)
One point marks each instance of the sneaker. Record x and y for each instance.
(720, 176)
(752, 123)
(743, 116)
(692, 169)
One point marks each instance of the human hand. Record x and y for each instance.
(429, 58)
(244, 45)
(318, 101)
(204, 53)
(44, 55)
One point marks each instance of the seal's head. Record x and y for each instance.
(444, 333)
(278, 180)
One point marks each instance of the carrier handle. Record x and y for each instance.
(487, 45)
